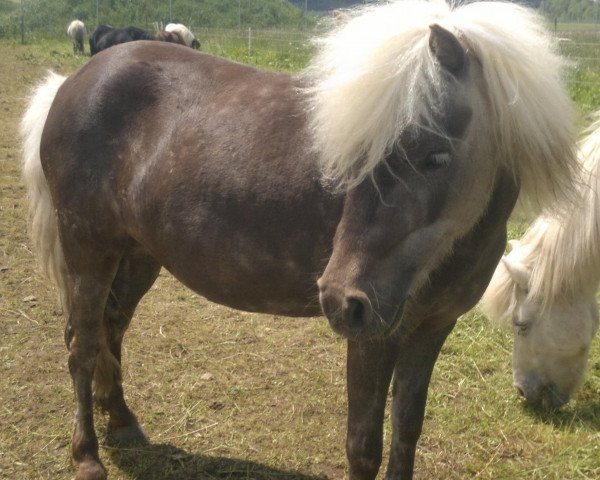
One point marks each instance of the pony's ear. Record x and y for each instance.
(518, 272)
(447, 49)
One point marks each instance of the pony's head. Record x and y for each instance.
(552, 336)
(545, 288)
(400, 221)
(185, 33)
(416, 108)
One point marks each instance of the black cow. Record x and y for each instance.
(105, 36)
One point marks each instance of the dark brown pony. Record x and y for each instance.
(105, 36)
(172, 37)
(374, 188)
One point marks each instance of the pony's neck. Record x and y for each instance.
(568, 258)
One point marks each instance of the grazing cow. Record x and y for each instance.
(76, 30)
(105, 36)
(172, 37)
(187, 35)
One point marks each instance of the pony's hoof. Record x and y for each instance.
(128, 435)
(90, 470)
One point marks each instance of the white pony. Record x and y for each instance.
(547, 287)
(187, 35)
(76, 31)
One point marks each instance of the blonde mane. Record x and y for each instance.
(566, 259)
(561, 252)
(375, 76)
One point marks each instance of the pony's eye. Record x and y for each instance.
(437, 160)
(521, 327)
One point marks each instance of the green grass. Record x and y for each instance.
(274, 406)
(582, 47)
(287, 51)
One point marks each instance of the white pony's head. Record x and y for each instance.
(185, 33)
(552, 336)
(545, 288)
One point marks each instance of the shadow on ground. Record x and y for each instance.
(166, 462)
(585, 414)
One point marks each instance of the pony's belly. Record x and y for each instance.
(266, 289)
(256, 299)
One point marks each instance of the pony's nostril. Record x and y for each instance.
(355, 313)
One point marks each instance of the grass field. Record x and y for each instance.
(224, 394)
(582, 47)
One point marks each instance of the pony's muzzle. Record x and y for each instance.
(349, 312)
(547, 396)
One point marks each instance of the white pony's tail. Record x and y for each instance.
(42, 217)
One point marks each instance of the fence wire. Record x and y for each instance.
(580, 43)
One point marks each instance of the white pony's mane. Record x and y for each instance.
(186, 34)
(568, 262)
(561, 252)
(75, 25)
(375, 75)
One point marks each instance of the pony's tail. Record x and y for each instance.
(42, 217)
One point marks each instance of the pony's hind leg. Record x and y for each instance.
(136, 274)
(90, 279)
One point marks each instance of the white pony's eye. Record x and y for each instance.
(436, 160)
(521, 326)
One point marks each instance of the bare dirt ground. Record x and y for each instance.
(226, 394)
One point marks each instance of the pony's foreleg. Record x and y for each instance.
(369, 370)
(90, 285)
(411, 382)
(137, 272)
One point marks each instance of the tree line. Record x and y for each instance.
(571, 10)
(50, 17)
